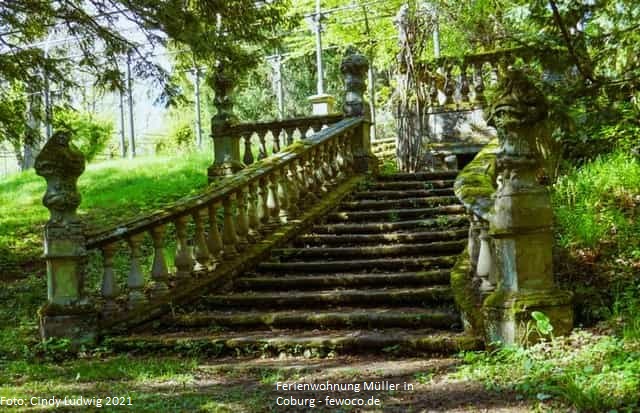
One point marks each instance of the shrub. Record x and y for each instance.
(180, 139)
(90, 134)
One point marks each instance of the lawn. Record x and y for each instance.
(112, 191)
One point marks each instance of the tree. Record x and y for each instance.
(103, 32)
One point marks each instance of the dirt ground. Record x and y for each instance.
(434, 388)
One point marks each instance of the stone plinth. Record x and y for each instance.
(521, 222)
(322, 104)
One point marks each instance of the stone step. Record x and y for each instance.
(418, 176)
(401, 194)
(444, 222)
(364, 205)
(337, 253)
(295, 342)
(403, 185)
(344, 280)
(384, 238)
(323, 298)
(394, 214)
(386, 264)
(407, 317)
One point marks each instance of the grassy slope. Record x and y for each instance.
(111, 192)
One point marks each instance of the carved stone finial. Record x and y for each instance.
(61, 164)
(354, 68)
(223, 85)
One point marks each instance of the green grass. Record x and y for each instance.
(600, 203)
(112, 192)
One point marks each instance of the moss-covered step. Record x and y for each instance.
(370, 204)
(403, 185)
(314, 343)
(394, 214)
(399, 194)
(413, 317)
(386, 238)
(386, 264)
(348, 280)
(379, 251)
(418, 176)
(306, 299)
(443, 222)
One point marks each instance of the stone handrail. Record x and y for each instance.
(271, 137)
(458, 83)
(254, 203)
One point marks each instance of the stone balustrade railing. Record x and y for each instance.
(208, 238)
(506, 272)
(253, 203)
(262, 139)
(458, 83)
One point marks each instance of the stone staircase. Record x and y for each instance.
(372, 277)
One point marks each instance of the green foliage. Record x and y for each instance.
(149, 184)
(591, 373)
(599, 202)
(181, 139)
(90, 134)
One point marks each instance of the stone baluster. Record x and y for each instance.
(464, 84)
(263, 209)
(69, 312)
(135, 280)
(200, 248)
(248, 153)
(293, 190)
(214, 240)
(262, 150)
(354, 67)
(229, 234)
(320, 179)
(243, 219)
(449, 86)
(290, 135)
(308, 174)
(226, 144)
(272, 201)
(485, 260)
(110, 288)
(159, 270)
(253, 212)
(348, 152)
(478, 85)
(283, 195)
(276, 141)
(326, 159)
(184, 260)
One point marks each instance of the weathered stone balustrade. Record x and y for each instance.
(459, 83)
(262, 139)
(213, 236)
(507, 272)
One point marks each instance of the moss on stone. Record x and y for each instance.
(467, 299)
(474, 185)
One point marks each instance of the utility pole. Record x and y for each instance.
(123, 141)
(371, 74)
(196, 81)
(318, 29)
(132, 137)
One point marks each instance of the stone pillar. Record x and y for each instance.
(354, 67)
(68, 312)
(226, 146)
(322, 104)
(522, 219)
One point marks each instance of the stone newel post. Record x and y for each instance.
(354, 67)
(225, 145)
(68, 312)
(522, 219)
